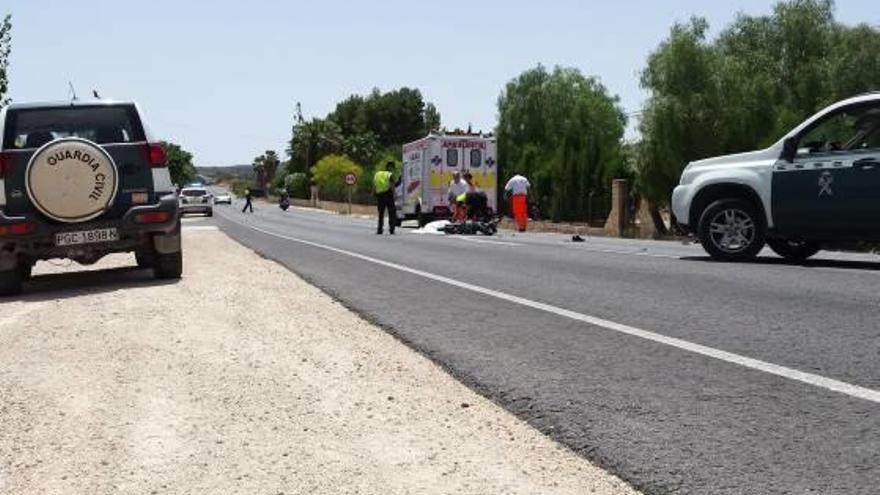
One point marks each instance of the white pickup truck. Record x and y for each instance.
(820, 183)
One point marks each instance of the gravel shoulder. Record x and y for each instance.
(242, 378)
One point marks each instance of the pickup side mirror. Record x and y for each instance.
(789, 149)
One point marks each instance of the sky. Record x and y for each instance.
(222, 78)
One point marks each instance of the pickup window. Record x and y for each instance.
(856, 128)
(32, 128)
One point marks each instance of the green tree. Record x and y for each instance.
(362, 127)
(563, 131)
(265, 167)
(311, 141)
(432, 118)
(681, 120)
(855, 66)
(180, 164)
(362, 148)
(394, 118)
(5, 50)
(329, 173)
(297, 185)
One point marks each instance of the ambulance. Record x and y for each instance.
(428, 167)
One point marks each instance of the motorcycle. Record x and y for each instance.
(284, 204)
(473, 217)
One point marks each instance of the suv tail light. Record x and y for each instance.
(152, 217)
(5, 164)
(156, 154)
(16, 229)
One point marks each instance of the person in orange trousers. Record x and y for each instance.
(518, 189)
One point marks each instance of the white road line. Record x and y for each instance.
(486, 241)
(627, 253)
(199, 227)
(729, 357)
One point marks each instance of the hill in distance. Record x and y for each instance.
(226, 173)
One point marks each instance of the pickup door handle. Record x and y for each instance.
(867, 163)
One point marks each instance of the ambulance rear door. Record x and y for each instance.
(411, 187)
(445, 160)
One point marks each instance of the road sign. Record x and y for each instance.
(351, 179)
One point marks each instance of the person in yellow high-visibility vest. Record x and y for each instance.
(383, 186)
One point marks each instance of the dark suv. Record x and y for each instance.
(81, 180)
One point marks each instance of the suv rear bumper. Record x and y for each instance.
(39, 243)
(195, 208)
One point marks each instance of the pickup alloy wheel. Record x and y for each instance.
(731, 230)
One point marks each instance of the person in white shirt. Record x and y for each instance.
(457, 187)
(518, 190)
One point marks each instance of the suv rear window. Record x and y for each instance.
(34, 127)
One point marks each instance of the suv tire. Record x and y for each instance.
(794, 250)
(145, 258)
(168, 266)
(732, 229)
(10, 282)
(26, 269)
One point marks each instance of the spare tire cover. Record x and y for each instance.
(72, 180)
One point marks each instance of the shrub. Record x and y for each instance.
(329, 173)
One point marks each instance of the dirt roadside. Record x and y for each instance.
(242, 378)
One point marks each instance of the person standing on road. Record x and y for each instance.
(247, 201)
(518, 190)
(383, 187)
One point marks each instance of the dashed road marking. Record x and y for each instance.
(818, 381)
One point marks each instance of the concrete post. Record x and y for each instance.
(313, 201)
(647, 229)
(615, 225)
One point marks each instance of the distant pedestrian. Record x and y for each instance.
(518, 190)
(247, 201)
(383, 186)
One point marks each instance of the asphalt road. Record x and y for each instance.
(757, 378)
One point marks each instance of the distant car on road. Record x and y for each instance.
(223, 199)
(819, 184)
(196, 199)
(80, 180)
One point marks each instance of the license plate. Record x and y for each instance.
(86, 237)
